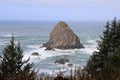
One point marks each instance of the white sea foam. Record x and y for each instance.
(91, 41)
(65, 69)
(9, 35)
(91, 46)
(67, 51)
(33, 46)
(89, 49)
(3, 42)
(44, 55)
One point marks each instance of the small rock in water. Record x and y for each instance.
(70, 65)
(35, 54)
(62, 61)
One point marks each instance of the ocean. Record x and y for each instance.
(32, 34)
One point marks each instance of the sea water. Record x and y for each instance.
(32, 34)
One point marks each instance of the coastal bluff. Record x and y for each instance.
(62, 37)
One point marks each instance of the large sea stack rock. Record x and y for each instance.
(62, 37)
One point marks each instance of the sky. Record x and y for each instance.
(51, 10)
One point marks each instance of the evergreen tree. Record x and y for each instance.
(12, 66)
(105, 64)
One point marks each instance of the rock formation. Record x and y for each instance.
(62, 37)
(70, 65)
(62, 61)
(35, 54)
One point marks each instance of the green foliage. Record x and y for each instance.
(106, 62)
(12, 66)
